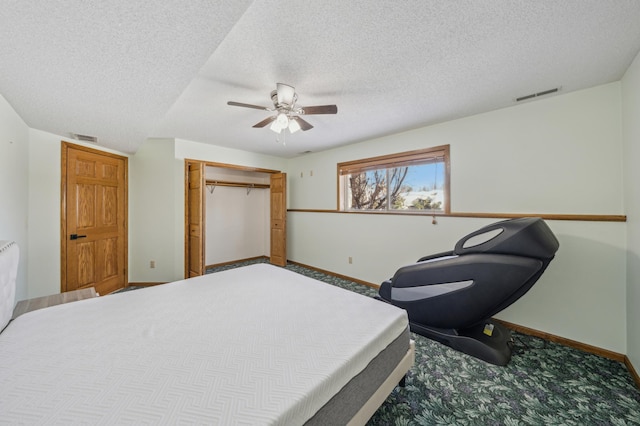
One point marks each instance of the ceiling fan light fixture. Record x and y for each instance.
(275, 126)
(286, 94)
(286, 116)
(294, 126)
(280, 123)
(282, 120)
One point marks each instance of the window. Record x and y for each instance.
(414, 181)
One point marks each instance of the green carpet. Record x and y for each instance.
(544, 384)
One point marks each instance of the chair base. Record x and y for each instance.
(474, 341)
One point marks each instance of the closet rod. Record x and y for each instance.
(238, 184)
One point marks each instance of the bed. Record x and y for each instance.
(253, 345)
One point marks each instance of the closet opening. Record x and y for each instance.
(233, 213)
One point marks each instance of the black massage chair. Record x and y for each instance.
(450, 297)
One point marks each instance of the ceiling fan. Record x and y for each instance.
(287, 112)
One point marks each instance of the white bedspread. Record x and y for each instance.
(255, 345)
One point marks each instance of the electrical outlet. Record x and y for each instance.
(350, 260)
(152, 264)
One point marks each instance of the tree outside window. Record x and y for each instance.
(416, 181)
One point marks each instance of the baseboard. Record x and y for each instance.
(217, 265)
(145, 284)
(632, 371)
(564, 341)
(150, 284)
(333, 274)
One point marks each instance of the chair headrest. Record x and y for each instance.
(528, 236)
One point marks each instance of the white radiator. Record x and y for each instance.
(9, 256)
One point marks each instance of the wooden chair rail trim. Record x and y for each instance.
(545, 216)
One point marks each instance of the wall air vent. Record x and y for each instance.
(535, 95)
(84, 138)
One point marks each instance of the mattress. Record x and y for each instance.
(254, 345)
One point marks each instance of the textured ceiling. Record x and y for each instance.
(127, 70)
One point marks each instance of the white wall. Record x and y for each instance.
(167, 210)
(45, 156)
(237, 218)
(30, 177)
(631, 132)
(151, 212)
(204, 152)
(14, 187)
(561, 154)
(44, 213)
(235, 224)
(156, 204)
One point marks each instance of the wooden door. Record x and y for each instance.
(94, 220)
(195, 214)
(279, 219)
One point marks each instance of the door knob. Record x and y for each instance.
(76, 236)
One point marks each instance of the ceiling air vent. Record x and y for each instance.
(535, 95)
(84, 138)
